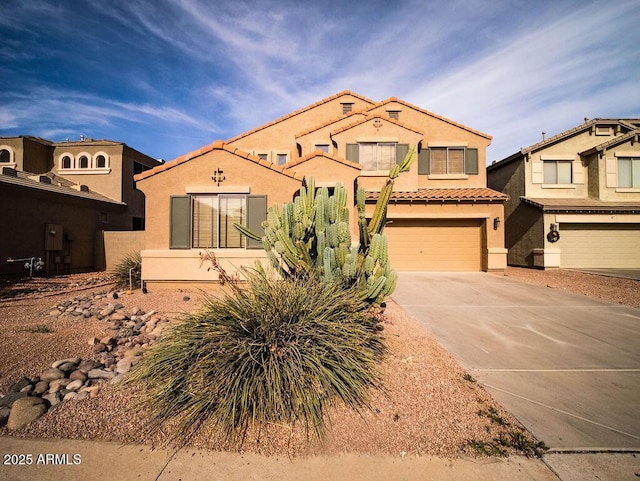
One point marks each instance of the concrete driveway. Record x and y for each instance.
(567, 366)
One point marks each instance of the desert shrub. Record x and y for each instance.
(272, 351)
(130, 263)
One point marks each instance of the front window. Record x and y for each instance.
(377, 155)
(629, 172)
(557, 172)
(5, 156)
(447, 160)
(213, 219)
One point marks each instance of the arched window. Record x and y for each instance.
(5, 155)
(100, 160)
(66, 162)
(83, 162)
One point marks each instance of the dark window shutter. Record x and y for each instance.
(423, 162)
(401, 152)
(353, 153)
(471, 161)
(256, 215)
(180, 222)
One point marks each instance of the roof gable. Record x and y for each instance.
(217, 145)
(325, 155)
(430, 114)
(373, 118)
(345, 93)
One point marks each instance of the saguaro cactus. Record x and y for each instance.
(311, 236)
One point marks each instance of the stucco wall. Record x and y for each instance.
(113, 246)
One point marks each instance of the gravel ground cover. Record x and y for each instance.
(430, 406)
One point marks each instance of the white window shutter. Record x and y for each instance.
(536, 173)
(611, 165)
(578, 172)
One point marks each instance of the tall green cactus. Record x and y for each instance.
(311, 236)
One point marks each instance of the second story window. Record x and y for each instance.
(557, 171)
(629, 172)
(5, 155)
(83, 162)
(66, 162)
(447, 160)
(322, 147)
(281, 159)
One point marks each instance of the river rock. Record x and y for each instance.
(40, 388)
(52, 374)
(55, 386)
(101, 374)
(88, 365)
(74, 385)
(4, 416)
(78, 375)
(70, 360)
(20, 385)
(8, 399)
(52, 398)
(25, 411)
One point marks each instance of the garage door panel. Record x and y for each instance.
(599, 245)
(435, 245)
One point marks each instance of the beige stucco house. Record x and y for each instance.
(574, 198)
(442, 216)
(56, 196)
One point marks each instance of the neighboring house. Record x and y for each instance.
(574, 198)
(56, 196)
(442, 217)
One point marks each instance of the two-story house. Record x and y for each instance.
(57, 195)
(574, 198)
(441, 216)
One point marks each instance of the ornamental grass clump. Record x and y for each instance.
(271, 351)
(127, 272)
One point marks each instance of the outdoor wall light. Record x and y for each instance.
(496, 223)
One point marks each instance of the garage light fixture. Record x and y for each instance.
(496, 223)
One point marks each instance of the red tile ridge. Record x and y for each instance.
(299, 111)
(322, 153)
(332, 121)
(431, 114)
(370, 117)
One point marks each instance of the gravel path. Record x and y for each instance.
(429, 407)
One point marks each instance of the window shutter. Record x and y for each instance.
(578, 172)
(180, 222)
(537, 175)
(256, 215)
(353, 153)
(612, 171)
(471, 161)
(423, 161)
(401, 152)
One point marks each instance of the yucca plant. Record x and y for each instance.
(128, 272)
(269, 351)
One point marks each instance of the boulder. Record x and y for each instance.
(26, 410)
(8, 399)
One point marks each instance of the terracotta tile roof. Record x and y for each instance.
(298, 112)
(370, 117)
(217, 145)
(445, 195)
(582, 205)
(431, 114)
(320, 153)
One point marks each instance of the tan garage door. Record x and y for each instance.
(599, 245)
(435, 245)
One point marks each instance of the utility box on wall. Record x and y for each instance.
(53, 237)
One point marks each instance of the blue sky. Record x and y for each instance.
(169, 76)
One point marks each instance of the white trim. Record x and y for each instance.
(377, 140)
(62, 156)
(569, 157)
(85, 171)
(627, 190)
(628, 153)
(447, 176)
(12, 157)
(213, 189)
(451, 143)
(89, 160)
(106, 158)
(597, 219)
(558, 186)
(406, 215)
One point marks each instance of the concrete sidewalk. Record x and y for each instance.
(97, 461)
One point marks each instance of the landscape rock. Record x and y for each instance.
(55, 386)
(89, 364)
(40, 388)
(52, 374)
(74, 385)
(70, 360)
(20, 385)
(52, 398)
(101, 374)
(25, 411)
(8, 399)
(78, 375)
(4, 416)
